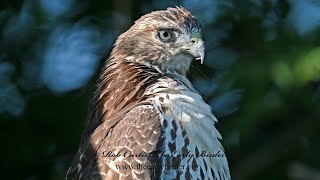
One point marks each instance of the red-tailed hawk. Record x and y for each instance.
(146, 121)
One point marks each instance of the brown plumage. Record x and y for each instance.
(145, 105)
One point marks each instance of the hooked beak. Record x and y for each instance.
(196, 49)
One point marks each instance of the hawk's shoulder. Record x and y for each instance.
(119, 112)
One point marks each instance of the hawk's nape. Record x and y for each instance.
(146, 121)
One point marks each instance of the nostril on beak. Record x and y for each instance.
(194, 40)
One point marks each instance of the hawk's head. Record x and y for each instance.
(169, 39)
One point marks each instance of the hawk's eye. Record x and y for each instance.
(164, 34)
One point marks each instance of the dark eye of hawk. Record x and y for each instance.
(166, 35)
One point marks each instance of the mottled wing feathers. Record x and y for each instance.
(120, 90)
(137, 133)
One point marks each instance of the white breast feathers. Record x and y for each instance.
(182, 104)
